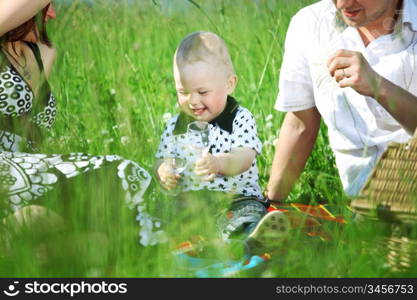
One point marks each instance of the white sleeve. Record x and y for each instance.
(244, 131)
(295, 83)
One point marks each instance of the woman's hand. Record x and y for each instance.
(207, 165)
(350, 69)
(167, 176)
(15, 13)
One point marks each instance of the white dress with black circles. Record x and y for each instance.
(26, 175)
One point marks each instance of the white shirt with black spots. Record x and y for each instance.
(221, 141)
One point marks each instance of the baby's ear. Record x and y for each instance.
(231, 83)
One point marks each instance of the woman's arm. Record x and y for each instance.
(13, 13)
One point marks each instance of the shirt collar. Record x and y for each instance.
(224, 120)
(409, 14)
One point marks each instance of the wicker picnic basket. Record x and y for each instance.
(390, 195)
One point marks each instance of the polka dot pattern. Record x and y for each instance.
(221, 141)
(28, 176)
(15, 96)
(46, 118)
(16, 99)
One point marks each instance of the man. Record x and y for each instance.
(354, 64)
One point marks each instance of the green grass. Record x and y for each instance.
(113, 81)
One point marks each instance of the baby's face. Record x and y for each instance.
(202, 89)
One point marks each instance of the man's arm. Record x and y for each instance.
(350, 69)
(296, 140)
(401, 104)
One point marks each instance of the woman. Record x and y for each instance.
(27, 111)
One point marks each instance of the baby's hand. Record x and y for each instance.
(167, 176)
(207, 165)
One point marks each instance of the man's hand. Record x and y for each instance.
(207, 165)
(350, 69)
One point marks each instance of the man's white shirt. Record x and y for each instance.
(359, 127)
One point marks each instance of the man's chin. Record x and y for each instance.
(352, 23)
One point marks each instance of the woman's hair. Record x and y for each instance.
(204, 46)
(20, 32)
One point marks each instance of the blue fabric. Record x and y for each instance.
(208, 268)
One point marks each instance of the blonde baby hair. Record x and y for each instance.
(204, 46)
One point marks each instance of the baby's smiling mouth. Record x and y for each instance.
(198, 110)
